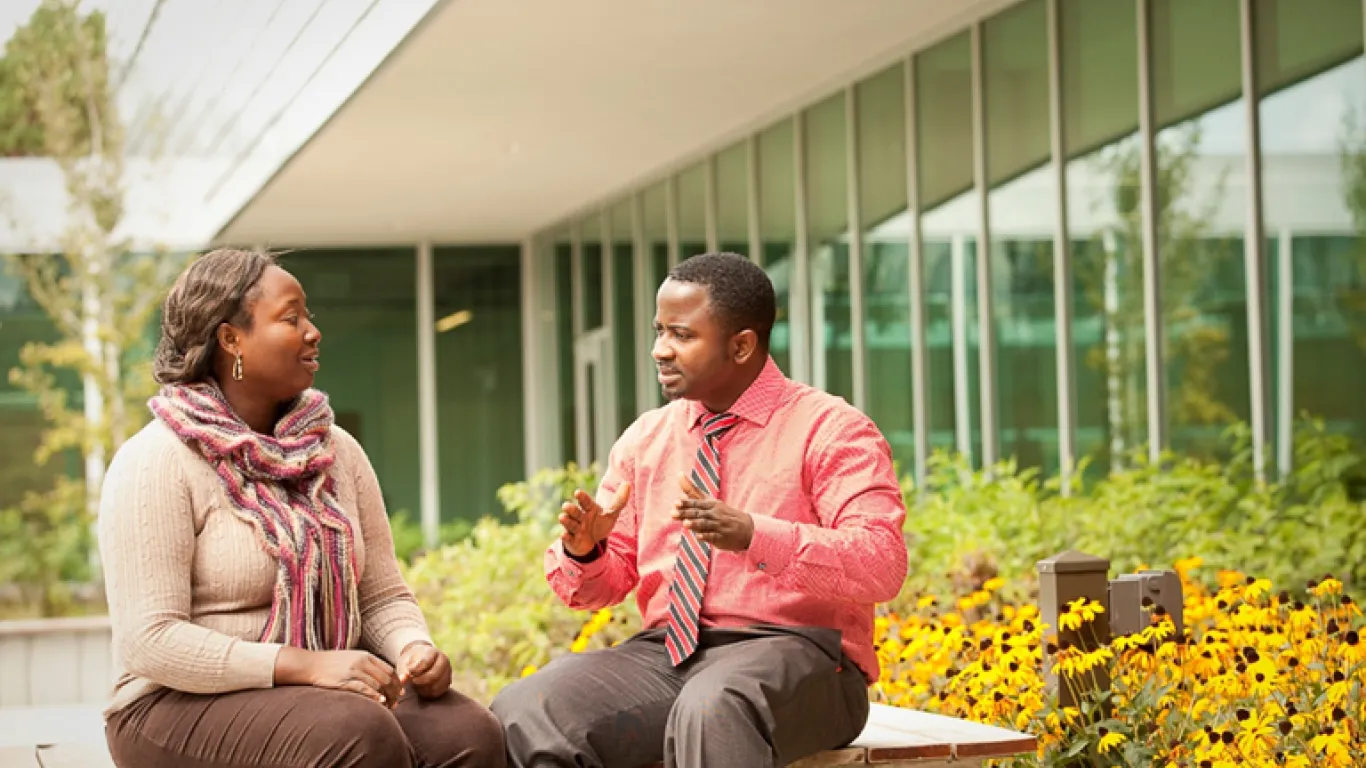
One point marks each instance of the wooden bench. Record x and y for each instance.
(893, 738)
(907, 738)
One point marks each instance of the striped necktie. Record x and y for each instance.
(694, 557)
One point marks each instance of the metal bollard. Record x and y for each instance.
(1063, 578)
(1129, 600)
(1129, 615)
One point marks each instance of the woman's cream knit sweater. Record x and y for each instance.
(190, 587)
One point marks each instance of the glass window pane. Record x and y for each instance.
(1313, 130)
(1201, 153)
(655, 204)
(477, 302)
(886, 256)
(732, 199)
(1100, 116)
(365, 304)
(590, 269)
(624, 332)
(778, 228)
(827, 218)
(692, 211)
(1023, 207)
(949, 219)
(21, 423)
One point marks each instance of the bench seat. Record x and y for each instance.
(893, 737)
(896, 737)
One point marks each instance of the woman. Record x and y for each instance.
(258, 613)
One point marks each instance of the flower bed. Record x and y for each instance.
(1258, 678)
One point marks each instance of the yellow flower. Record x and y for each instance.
(1109, 741)
(1087, 609)
(1257, 589)
(1255, 682)
(1333, 745)
(1187, 564)
(1327, 587)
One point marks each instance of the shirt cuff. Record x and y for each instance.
(593, 554)
(771, 548)
(577, 571)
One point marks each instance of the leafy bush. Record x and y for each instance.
(408, 539)
(486, 597)
(970, 526)
(45, 544)
(491, 609)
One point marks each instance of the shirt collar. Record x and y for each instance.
(756, 404)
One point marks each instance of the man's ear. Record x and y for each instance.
(744, 345)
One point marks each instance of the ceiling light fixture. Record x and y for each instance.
(454, 320)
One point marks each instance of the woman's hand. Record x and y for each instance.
(427, 668)
(356, 671)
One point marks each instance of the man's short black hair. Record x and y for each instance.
(741, 293)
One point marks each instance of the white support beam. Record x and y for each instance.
(429, 480)
(854, 215)
(1062, 261)
(1254, 251)
(1154, 329)
(986, 312)
(920, 411)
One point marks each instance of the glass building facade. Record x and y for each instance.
(1074, 228)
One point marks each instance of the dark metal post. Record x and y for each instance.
(1064, 578)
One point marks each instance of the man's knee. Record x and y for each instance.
(730, 703)
(520, 710)
(517, 699)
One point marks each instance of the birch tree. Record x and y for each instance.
(1189, 255)
(100, 296)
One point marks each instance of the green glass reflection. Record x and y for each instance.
(1100, 117)
(1313, 142)
(827, 220)
(477, 302)
(365, 304)
(886, 259)
(1022, 202)
(948, 220)
(778, 229)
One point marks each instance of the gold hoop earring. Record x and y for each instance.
(237, 367)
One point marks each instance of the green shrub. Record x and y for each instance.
(968, 527)
(45, 545)
(408, 539)
(486, 598)
(490, 608)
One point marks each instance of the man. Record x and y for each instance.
(759, 521)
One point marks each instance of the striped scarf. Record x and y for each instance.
(282, 486)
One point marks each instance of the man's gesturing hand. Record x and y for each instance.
(585, 523)
(712, 520)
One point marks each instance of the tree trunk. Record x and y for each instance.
(91, 306)
(1114, 363)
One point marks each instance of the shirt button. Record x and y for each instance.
(762, 566)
